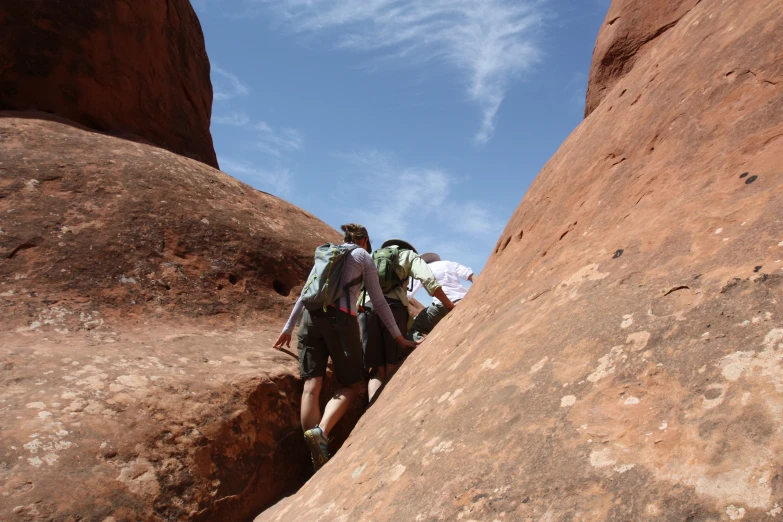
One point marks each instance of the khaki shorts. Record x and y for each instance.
(330, 334)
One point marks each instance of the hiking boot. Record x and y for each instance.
(319, 447)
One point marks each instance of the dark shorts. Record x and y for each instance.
(427, 319)
(378, 345)
(330, 334)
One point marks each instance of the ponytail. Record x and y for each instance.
(353, 232)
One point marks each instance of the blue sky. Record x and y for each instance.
(421, 119)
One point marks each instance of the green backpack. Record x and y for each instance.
(390, 274)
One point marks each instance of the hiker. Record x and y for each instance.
(329, 329)
(396, 261)
(448, 274)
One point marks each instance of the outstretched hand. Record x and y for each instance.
(405, 343)
(283, 340)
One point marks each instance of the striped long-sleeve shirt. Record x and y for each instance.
(358, 263)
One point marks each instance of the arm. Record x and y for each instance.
(441, 295)
(464, 272)
(288, 329)
(421, 271)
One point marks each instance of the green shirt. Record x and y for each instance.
(413, 266)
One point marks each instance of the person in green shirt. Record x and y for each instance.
(381, 354)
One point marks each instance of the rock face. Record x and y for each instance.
(140, 293)
(621, 356)
(164, 423)
(129, 68)
(94, 223)
(630, 27)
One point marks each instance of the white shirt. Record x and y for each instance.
(448, 274)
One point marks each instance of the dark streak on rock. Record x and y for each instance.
(24, 246)
(675, 288)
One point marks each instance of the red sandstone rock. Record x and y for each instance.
(94, 223)
(164, 423)
(140, 294)
(620, 356)
(629, 29)
(129, 68)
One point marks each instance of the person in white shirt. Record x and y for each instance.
(448, 274)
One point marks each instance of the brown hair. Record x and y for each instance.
(353, 232)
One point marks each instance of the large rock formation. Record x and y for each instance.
(130, 68)
(620, 356)
(630, 27)
(93, 223)
(140, 293)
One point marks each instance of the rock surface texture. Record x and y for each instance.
(98, 223)
(129, 68)
(631, 27)
(621, 356)
(140, 293)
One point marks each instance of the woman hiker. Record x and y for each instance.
(335, 333)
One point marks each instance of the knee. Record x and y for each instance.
(348, 393)
(312, 387)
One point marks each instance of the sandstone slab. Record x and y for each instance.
(620, 357)
(163, 423)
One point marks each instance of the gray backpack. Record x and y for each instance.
(325, 285)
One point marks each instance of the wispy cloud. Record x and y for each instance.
(491, 41)
(275, 142)
(476, 220)
(416, 202)
(263, 137)
(278, 141)
(576, 90)
(236, 119)
(278, 181)
(226, 85)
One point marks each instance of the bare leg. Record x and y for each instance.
(311, 411)
(337, 406)
(376, 382)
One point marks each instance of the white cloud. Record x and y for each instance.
(491, 41)
(475, 220)
(237, 119)
(277, 142)
(576, 90)
(420, 205)
(278, 182)
(226, 85)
